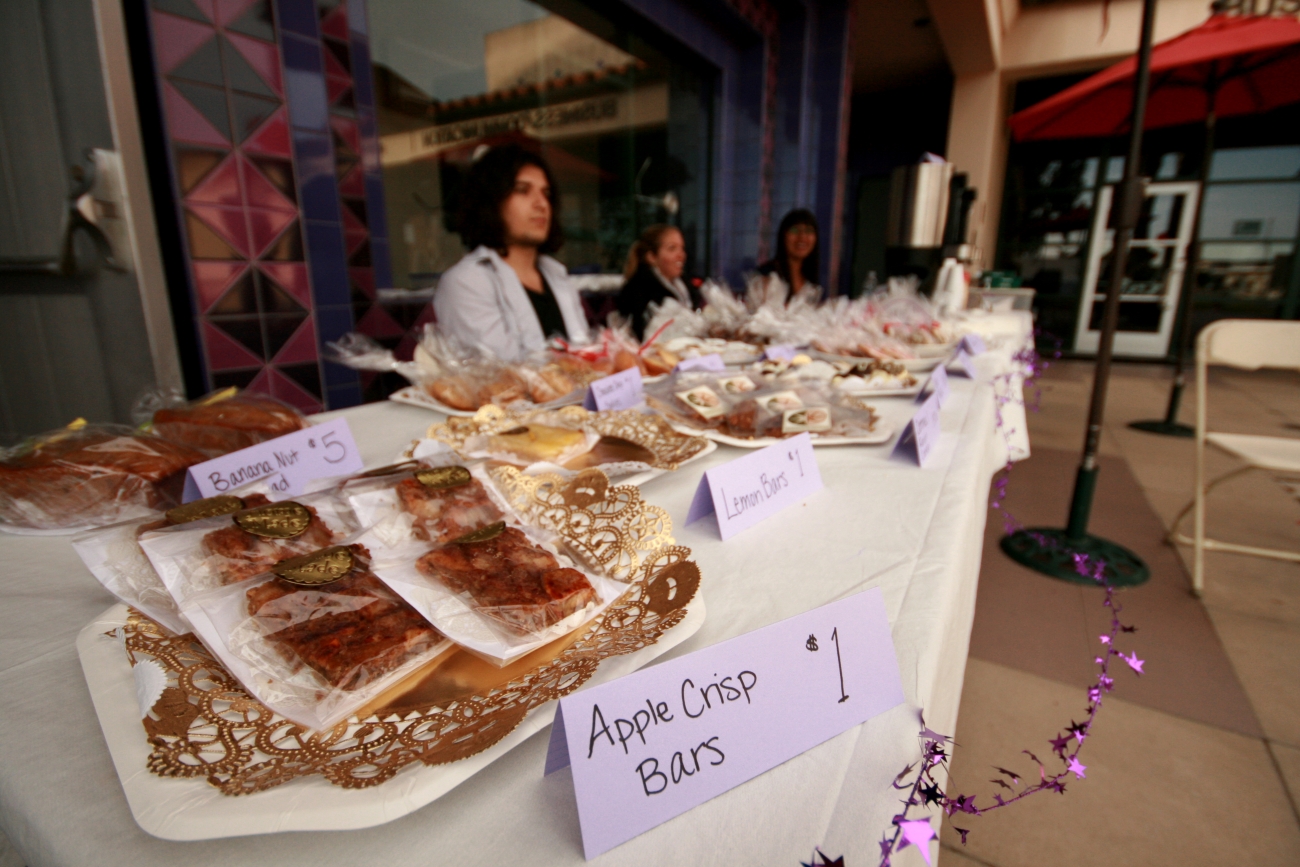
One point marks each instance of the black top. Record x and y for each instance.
(638, 293)
(547, 310)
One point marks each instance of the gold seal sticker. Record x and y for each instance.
(210, 507)
(443, 477)
(483, 534)
(317, 568)
(275, 521)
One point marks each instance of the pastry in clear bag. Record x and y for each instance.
(500, 592)
(114, 556)
(422, 502)
(88, 475)
(318, 636)
(222, 422)
(226, 549)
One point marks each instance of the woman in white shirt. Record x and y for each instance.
(507, 295)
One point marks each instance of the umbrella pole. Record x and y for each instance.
(1058, 553)
(1170, 426)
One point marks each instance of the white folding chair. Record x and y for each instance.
(1246, 344)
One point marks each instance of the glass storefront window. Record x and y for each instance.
(1249, 223)
(625, 128)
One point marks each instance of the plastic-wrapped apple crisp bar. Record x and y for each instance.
(316, 638)
(212, 552)
(500, 591)
(114, 556)
(422, 503)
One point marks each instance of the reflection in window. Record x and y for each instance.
(1239, 164)
(623, 127)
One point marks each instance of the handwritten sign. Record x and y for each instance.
(745, 491)
(286, 463)
(704, 362)
(656, 743)
(974, 344)
(963, 364)
(921, 433)
(622, 390)
(779, 353)
(938, 385)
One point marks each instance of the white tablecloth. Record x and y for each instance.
(915, 533)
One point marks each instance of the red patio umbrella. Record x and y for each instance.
(1228, 67)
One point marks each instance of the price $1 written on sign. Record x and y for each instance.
(654, 744)
(745, 491)
(285, 464)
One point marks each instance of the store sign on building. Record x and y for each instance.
(642, 106)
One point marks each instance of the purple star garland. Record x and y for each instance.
(924, 789)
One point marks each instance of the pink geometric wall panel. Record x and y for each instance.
(299, 348)
(212, 279)
(291, 277)
(224, 352)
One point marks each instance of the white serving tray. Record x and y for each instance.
(883, 433)
(191, 809)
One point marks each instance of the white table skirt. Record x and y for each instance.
(915, 533)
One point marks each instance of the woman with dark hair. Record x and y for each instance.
(793, 271)
(507, 295)
(653, 272)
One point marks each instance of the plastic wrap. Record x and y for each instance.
(499, 597)
(430, 502)
(196, 557)
(316, 653)
(465, 378)
(114, 556)
(90, 475)
(746, 406)
(222, 422)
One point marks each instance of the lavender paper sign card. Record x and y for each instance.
(963, 364)
(779, 353)
(288, 463)
(921, 433)
(654, 744)
(937, 386)
(622, 390)
(745, 491)
(974, 344)
(704, 362)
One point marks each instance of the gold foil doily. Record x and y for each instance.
(667, 448)
(206, 726)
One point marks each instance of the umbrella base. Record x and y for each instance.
(1052, 553)
(1165, 428)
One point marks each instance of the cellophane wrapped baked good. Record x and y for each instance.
(744, 406)
(89, 476)
(196, 557)
(462, 377)
(222, 422)
(435, 500)
(500, 592)
(317, 637)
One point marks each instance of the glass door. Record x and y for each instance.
(1153, 274)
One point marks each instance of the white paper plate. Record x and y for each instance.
(415, 396)
(179, 809)
(912, 364)
(882, 434)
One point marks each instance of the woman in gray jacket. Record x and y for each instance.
(507, 295)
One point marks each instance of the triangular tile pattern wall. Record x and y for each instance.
(270, 115)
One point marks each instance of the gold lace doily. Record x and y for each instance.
(206, 725)
(669, 447)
